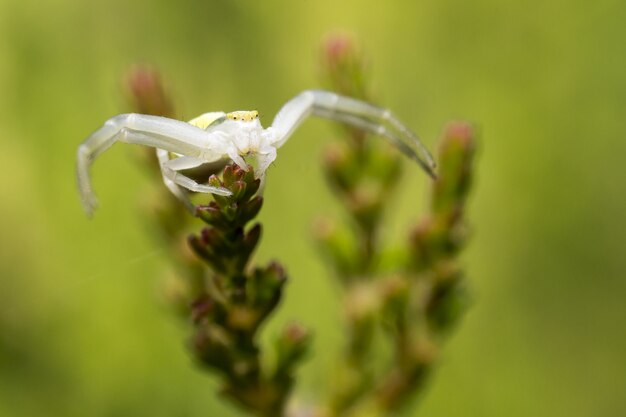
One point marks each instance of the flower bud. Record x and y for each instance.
(456, 154)
(229, 176)
(213, 346)
(238, 189)
(291, 347)
(146, 92)
(211, 214)
(343, 66)
(265, 287)
(250, 209)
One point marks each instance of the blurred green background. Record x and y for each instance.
(84, 328)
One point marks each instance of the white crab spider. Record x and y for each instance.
(218, 135)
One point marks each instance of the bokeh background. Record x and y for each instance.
(84, 328)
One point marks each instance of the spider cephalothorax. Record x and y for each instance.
(218, 135)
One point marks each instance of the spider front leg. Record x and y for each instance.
(356, 113)
(174, 180)
(265, 157)
(233, 153)
(157, 132)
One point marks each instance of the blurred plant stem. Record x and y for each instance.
(168, 220)
(364, 174)
(419, 299)
(228, 303)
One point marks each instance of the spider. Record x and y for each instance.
(215, 136)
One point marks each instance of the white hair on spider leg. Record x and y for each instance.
(218, 135)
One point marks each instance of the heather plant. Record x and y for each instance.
(405, 295)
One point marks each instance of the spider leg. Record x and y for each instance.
(233, 154)
(355, 113)
(164, 156)
(261, 189)
(378, 129)
(157, 132)
(265, 157)
(174, 180)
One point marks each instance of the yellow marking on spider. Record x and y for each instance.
(205, 120)
(246, 116)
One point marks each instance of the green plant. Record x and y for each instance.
(414, 299)
(408, 302)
